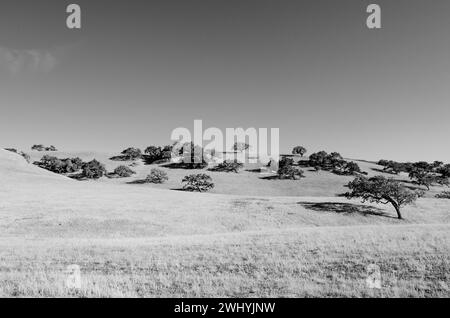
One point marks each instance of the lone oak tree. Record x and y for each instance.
(382, 190)
(299, 150)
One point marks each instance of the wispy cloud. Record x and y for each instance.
(26, 61)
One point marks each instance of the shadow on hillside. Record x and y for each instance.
(347, 208)
(149, 160)
(384, 171)
(179, 189)
(120, 158)
(140, 181)
(258, 170)
(416, 187)
(181, 165)
(274, 177)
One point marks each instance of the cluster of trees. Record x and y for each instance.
(422, 173)
(333, 162)
(43, 148)
(89, 170)
(158, 154)
(61, 166)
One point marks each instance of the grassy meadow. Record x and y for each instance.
(249, 237)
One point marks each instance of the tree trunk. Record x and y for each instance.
(396, 206)
(397, 209)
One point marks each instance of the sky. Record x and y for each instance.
(138, 69)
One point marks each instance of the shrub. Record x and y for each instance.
(123, 172)
(192, 156)
(285, 161)
(38, 147)
(290, 172)
(347, 168)
(43, 148)
(72, 164)
(299, 150)
(444, 170)
(132, 153)
(93, 170)
(51, 148)
(443, 195)
(228, 166)
(443, 181)
(382, 190)
(26, 156)
(241, 146)
(157, 154)
(154, 152)
(197, 182)
(157, 176)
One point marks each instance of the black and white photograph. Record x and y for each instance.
(249, 150)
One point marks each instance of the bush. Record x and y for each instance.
(26, 156)
(241, 146)
(347, 168)
(192, 156)
(153, 152)
(197, 182)
(51, 148)
(382, 190)
(299, 150)
(157, 176)
(157, 154)
(38, 147)
(228, 166)
(93, 170)
(123, 172)
(285, 161)
(43, 148)
(444, 171)
(290, 172)
(132, 153)
(443, 195)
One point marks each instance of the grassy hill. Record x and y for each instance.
(315, 184)
(252, 237)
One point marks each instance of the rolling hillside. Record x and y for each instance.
(263, 238)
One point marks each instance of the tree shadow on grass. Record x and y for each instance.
(274, 177)
(186, 166)
(346, 208)
(140, 181)
(120, 158)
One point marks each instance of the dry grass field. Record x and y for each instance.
(249, 237)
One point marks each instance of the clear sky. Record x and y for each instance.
(140, 68)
